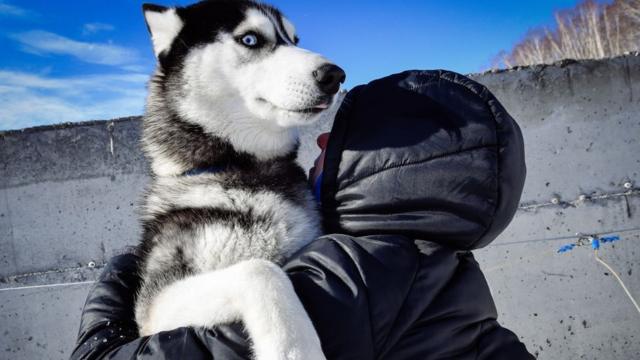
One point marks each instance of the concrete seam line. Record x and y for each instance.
(580, 200)
(11, 278)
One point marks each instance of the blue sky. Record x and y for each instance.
(90, 60)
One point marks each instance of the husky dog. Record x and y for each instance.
(228, 201)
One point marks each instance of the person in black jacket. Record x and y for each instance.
(420, 168)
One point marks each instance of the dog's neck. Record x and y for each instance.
(175, 145)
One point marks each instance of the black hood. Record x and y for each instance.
(431, 155)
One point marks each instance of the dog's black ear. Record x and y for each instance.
(164, 24)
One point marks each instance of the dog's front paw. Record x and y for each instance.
(296, 348)
(145, 329)
(305, 345)
(161, 317)
(153, 326)
(305, 353)
(291, 354)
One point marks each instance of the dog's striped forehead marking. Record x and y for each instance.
(271, 24)
(283, 36)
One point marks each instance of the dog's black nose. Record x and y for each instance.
(329, 77)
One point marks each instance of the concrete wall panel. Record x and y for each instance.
(66, 201)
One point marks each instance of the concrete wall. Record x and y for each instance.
(581, 125)
(68, 194)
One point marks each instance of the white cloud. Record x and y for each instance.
(103, 82)
(12, 10)
(92, 28)
(30, 99)
(45, 43)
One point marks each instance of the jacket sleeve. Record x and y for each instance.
(386, 297)
(351, 288)
(108, 329)
(329, 285)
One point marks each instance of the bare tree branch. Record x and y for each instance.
(591, 30)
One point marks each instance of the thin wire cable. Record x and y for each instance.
(624, 287)
(46, 286)
(566, 237)
(502, 265)
(518, 261)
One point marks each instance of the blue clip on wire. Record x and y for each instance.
(608, 239)
(566, 248)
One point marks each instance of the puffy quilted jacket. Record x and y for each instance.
(421, 168)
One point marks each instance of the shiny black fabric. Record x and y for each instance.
(427, 154)
(421, 167)
(108, 329)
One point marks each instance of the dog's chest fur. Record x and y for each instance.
(210, 221)
(247, 209)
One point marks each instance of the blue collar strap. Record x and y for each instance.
(206, 170)
(317, 187)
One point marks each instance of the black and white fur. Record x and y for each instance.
(212, 240)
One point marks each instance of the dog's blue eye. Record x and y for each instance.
(250, 40)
